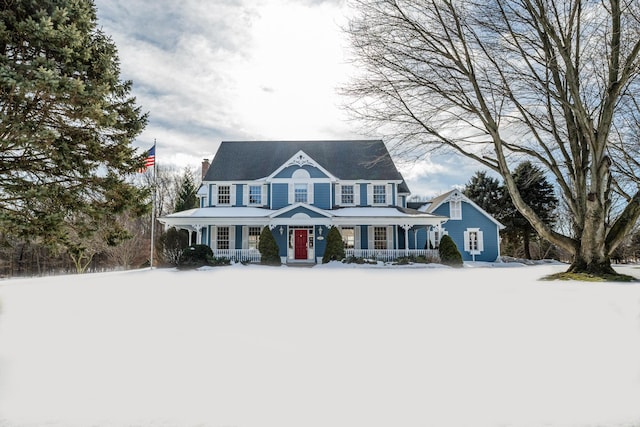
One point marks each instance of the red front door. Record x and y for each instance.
(300, 244)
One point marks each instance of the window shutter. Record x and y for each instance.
(245, 237)
(232, 196)
(388, 197)
(480, 242)
(356, 232)
(338, 194)
(245, 194)
(214, 237)
(310, 187)
(369, 194)
(370, 237)
(390, 237)
(263, 196)
(214, 195)
(291, 188)
(232, 237)
(356, 194)
(466, 241)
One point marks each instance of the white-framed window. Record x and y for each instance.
(224, 194)
(253, 238)
(222, 238)
(301, 193)
(455, 209)
(379, 237)
(434, 236)
(347, 194)
(473, 241)
(255, 194)
(348, 237)
(379, 194)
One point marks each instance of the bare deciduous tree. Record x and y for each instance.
(504, 81)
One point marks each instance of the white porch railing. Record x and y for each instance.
(392, 254)
(238, 255)
(253, 255)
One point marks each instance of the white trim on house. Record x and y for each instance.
(301, 159)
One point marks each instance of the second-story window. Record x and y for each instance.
(379, 194)
(300, 193)
(224, 195)
(347, 195)
(255, 194)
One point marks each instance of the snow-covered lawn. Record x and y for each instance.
(328, 346)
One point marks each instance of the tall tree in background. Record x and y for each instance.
(67, 122)
(555, 82)
(493, 197)
(486, 192)
(186, 197)
(538, 192)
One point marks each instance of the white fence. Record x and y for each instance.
(392, 254)
(238, 255)
(253, 255)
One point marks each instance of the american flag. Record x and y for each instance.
(151, 158)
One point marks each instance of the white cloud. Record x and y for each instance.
(233, 70)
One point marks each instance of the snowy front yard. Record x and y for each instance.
(320, 347)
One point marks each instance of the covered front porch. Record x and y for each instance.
(383, 234)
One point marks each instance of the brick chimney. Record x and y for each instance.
(205, 167)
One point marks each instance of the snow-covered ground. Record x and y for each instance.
(328, 346)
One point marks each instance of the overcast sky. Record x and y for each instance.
(214, 70)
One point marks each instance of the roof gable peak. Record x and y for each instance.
(301, 159)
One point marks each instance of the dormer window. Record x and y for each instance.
(455, 209)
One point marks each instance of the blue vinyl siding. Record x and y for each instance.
(238, 239)
(322, 195)
(302, 210)
(239, 189)
(472, 218)
(364, 237)
(363, 196)
(320, 245)
(280, 197)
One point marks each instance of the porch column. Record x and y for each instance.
(198, 233)
(406, 228)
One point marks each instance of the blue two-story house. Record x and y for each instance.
(300, 189)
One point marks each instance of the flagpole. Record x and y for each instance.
(153, 208)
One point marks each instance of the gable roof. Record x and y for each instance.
(431, 206)
(344, 159)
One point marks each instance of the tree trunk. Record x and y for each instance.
(526, 242)
(592, 257)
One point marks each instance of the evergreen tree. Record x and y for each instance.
(334, 250)
(186, 197)
(449, 253)
(66, 123)
(538, 192)
(485, 192)
(268, 247)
